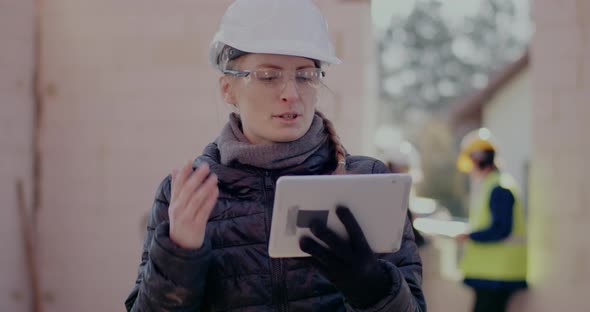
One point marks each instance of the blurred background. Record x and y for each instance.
(101, 99)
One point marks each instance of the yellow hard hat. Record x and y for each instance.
(477, 140)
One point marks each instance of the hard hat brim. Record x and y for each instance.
(464, 163)
(291, 48)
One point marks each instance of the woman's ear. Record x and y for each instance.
(227, 92)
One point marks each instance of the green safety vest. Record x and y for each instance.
(504, 260)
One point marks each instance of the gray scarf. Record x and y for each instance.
(234, 147)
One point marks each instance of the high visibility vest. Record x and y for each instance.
(504, 260)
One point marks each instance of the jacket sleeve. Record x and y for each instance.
(405, 269)
(169, 278)
(501, 209)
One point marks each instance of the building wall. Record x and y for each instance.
(351, 100)
(560, 199)
(127, 96)
(16, 152)
(508, 116)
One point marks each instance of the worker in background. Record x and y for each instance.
(494, 262)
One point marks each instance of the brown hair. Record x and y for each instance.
(338, 148)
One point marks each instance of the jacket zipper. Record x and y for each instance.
(277, 274)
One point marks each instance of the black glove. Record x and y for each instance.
(350, 264)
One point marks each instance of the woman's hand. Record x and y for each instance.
(350, 264)
(194, 195)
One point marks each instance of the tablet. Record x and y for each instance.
(379, 202)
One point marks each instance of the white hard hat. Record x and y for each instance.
(288, 27)
(404, 155)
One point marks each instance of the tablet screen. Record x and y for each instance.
(379, 202)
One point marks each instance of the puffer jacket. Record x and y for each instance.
(232, 271)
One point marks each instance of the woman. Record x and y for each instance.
(207, 237)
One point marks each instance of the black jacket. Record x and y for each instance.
(233, 272)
